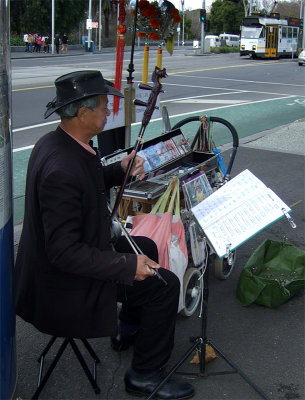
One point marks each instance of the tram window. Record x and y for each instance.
(289, 33)
(263, 32)
(284, 32)
(252, 32)
(295, 32)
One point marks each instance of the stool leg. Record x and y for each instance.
(84, 365)
(47, 348)
(90, 350)
(51, 367)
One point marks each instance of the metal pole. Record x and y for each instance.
(100, 26)
(89, 30)
(53, 31)
(182, 5)
(7, 309)
(303, 41)
(202, 30)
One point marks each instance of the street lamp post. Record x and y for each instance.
(52, 28)
(182, 6)
(89, 28)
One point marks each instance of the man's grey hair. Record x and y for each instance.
(70, 110)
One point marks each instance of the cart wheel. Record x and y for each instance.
(222, 268)
(191, 291)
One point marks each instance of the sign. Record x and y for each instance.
(88, 23)
(94, 24)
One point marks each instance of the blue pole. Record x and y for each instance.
(7, 311)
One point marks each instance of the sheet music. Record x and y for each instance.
(237, 211)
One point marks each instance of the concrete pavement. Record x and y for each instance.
(267, 344)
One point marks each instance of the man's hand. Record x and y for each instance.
(137, 168)
(145, 267)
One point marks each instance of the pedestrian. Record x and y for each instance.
(35, 35)
(64, 41)
(45, 44)
(69, 272)
(57, 42)
(39, 43)
(30, 42)
(25, 39)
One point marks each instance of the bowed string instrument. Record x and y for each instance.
(157, 75)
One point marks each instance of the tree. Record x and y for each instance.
(226, 16)
(35, 15)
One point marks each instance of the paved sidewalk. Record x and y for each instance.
(267, 344)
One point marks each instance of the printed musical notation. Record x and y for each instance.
(237, 211)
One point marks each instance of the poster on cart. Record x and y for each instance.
(116, 121)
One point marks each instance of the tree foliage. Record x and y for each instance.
(226, 16)
(29, 16)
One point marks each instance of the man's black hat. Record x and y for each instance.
(79, 85)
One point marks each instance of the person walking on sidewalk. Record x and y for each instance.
(30, 42)
(57, 42)
(64, 41)
(70, 272)
(39, 43)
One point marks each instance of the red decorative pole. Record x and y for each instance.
(121, 30)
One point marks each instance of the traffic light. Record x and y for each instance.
(207, 26)
(203, 14)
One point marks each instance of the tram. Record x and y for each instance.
(271, 37)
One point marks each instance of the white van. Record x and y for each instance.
(229, 39)
(214, 40)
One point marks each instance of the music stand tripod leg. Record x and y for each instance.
(239, 371)
(201, 342)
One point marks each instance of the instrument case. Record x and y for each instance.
(166, 156)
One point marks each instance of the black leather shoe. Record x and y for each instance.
(144, 384)
(121, 343)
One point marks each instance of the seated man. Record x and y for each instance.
(69, 274)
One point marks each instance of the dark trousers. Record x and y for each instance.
(153, 306)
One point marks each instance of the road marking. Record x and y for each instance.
(33, 88)
(158, 119)
(226, 67)
(211, 101)
(36, 126)
(176, 73)
(23, 148)
(233, 90)
(243, 80)
(217, 108)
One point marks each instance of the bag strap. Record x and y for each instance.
(162, 199)
(160, 206)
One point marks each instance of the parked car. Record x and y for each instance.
(301, 58)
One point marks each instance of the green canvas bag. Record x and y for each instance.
(274, 273)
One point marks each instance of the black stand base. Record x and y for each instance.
(91, 377)
(200, 344)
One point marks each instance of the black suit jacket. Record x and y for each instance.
(66, 272)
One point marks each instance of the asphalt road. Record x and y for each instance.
(194, 84)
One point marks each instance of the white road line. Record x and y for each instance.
(235, 90)
(23, 148)
(210, 101)
(25, 128)
(239, 80)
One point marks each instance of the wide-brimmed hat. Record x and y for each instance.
(79, 85)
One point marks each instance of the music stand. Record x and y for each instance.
(200, 343)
